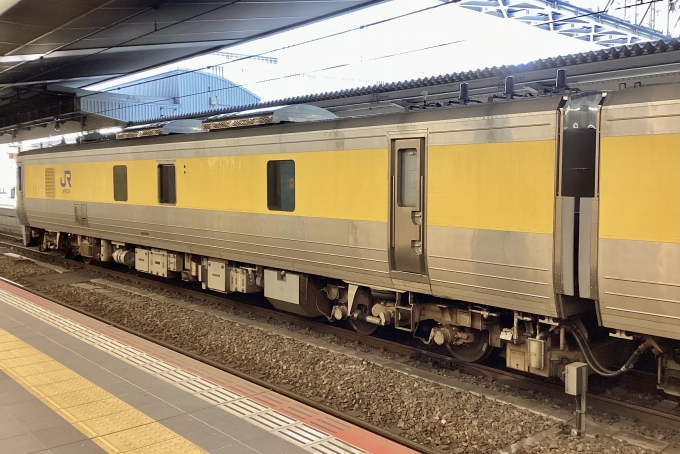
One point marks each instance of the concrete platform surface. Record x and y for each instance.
(72, 385)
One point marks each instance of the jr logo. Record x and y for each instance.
(66, 179)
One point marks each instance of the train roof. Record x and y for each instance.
(475, 110)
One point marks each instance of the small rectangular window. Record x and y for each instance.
(120, 186)
(281, 185)
(166, 184)
(408, 178)
(19, 182)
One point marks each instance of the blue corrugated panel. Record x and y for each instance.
(172, 94)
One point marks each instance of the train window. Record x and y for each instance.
(166, 184)
(120, 186)
(407, 194)
(281, 185)
(19, 182)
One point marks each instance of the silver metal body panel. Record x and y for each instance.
(639, 281)
(9, 223)
(504, 269)
(564, 245)
(352, 250)
(640, 111)
(587, 244)
(20, 209)
(640, 286)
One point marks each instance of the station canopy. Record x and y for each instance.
(50, 41)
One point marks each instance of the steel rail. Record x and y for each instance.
(510, 378)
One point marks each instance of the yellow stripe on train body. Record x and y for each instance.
(640, 188)
(93, 181)
(347, 184)
(496, 186)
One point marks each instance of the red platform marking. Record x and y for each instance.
(329, 424)
(300, 411)
(341, 430)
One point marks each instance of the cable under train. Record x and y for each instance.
(546, 227)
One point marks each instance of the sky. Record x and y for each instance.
(428, 42)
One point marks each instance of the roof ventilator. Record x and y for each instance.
(183, 127)
(164, 129)
(298, 113)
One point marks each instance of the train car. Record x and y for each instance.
(505, 224)
(636, 279)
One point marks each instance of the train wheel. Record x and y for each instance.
(363, 328)
(87, 260)
(477, 350)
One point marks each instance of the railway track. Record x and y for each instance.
(512, 379)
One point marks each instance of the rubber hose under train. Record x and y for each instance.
(594, 364)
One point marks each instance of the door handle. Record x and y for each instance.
(417, 247)
(417, 217)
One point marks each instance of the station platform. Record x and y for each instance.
(70, 384)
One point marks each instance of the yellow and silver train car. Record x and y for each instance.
(636, 279)
(505, 224)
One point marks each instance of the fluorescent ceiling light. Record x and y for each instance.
(19, 58)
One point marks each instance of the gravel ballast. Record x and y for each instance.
(564, 443)
(428, 413)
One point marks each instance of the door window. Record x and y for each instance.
(408, 181)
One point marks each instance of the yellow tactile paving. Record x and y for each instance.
(60, 387)
(118, 421)
(96, 409)
(7, 338)
(111, 423)
(18, 353)
(80, 397)
(63, 375)
(175, 444)
(44, 367)
(137, 437)
(38, 358)
(11, 345)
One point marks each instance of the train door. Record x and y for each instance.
(407, 220)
